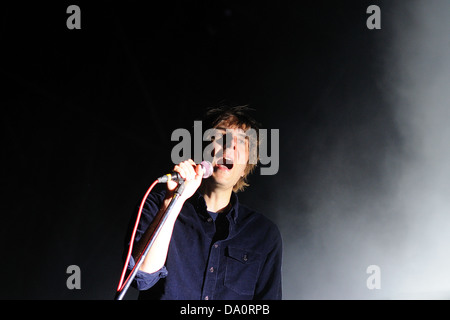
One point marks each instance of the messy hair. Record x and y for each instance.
(236, 116)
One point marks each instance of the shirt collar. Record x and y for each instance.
(200, 205)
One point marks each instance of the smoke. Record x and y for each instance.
(422, 55)
(391, 206)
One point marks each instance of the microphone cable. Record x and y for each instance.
(133, 235)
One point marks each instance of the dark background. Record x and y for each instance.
(86, 118)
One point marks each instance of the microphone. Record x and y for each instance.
(175, 176)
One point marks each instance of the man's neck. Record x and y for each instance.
(217, 200)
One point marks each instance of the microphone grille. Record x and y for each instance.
(207, 169)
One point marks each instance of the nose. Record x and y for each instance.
(230, 141)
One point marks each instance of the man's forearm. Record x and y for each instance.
(157, 254)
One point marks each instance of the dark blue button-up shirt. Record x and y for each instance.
(231, 256)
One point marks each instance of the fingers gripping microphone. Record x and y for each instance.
(175, 176)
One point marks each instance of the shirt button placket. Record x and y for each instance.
(211, 277)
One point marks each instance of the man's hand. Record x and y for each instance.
(192, 174)
(156, 257)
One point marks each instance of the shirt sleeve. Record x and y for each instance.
(144, 280)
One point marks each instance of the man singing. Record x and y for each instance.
(211, 246)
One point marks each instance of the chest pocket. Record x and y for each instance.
(242, 269)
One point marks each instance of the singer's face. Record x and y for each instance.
(231, 154)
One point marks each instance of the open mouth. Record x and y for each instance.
(225, 163)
